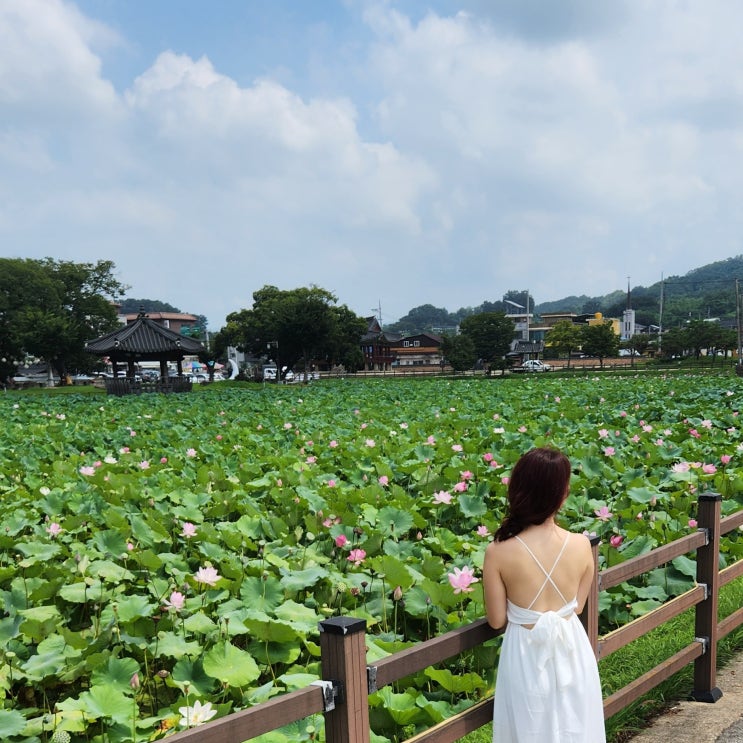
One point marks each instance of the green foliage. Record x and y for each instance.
(459, 351)
(296, 324)
(49, 309)
(343, 498)
(600, 340)
(491, 334)
(565, 337)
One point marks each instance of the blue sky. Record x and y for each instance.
(395, 153)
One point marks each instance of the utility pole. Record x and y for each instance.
(660, 318)
(738, 323)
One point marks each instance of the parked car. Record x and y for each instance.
(532, 365)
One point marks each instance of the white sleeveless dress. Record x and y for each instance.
(548, 688)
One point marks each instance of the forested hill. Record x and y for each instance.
(705, 292)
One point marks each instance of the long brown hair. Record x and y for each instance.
(536, 490)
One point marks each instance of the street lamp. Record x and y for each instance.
(275, 344)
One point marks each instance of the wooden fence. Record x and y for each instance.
(343, 696)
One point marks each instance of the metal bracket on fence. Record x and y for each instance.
(706, 535)
(371, 678)
(331, 691)
(705, 643)
(706, 590)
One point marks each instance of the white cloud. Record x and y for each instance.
(463, 155)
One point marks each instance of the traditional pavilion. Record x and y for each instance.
(144, 340)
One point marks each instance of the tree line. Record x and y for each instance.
(50, 308)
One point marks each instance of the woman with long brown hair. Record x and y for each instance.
(536, 578)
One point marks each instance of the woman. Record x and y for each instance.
(536, 577)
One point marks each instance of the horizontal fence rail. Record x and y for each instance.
(342, 695)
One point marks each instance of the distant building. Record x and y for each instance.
(174, 321)
(422, 350)
(377, 346)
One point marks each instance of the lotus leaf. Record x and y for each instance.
(453, 683)
(190, 673)
(230, 665)
(117, 673)
(103, 701)
(401, 708)
(170, 644)
(12, 723)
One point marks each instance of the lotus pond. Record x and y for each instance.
(166, 559)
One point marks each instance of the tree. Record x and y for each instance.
(564, 337)
(491, 334)
(459, 351)
(50, 308)
(293, 325)
(130, 306)
(600, 340)
(424, 318)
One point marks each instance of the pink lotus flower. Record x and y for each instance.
(707, 423)
(53, 529)
(333, 444)
(680, 467)
(603, 433)
(218, 437)
(207, 576)
(709, 469)
(482, 531)
(132, 433)
(457, 447)
(384, 480)
(370, 443)
(431, 440)
(693, 432)
(87, 471)
(311, 460)
(466, 475)
(175, 602)
(287, 426)
(130, 546)
(163, 460)
(603, 513)
(616, 540)
(522, 429)
(403, 426)
(505, 480)
(462, 580)
(331, 483)
(190, 452)
(356, 556)
(189, 530)
(144, 465)
(692, 523)
(725, 458)
(460, 487)
(442, 497)
(488, 457)
(647, 428)
(609, 451)
(341, 540)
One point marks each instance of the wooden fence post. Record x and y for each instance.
(589, 617)
(343, 661)
(708, 574)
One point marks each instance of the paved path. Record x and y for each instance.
(698, 722)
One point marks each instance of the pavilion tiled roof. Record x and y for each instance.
(143, 339)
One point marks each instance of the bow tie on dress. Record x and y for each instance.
(552, 639)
